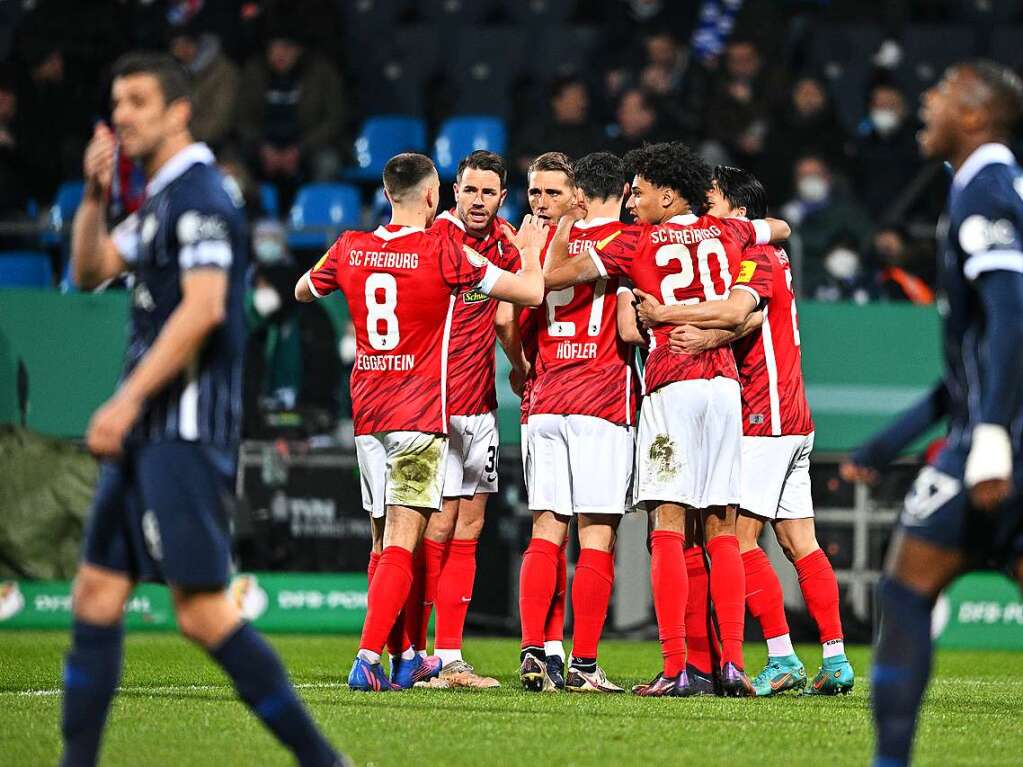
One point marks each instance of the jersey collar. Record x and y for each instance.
(178, 164)
(384, 234)
(594, 222)
(451, 218)
(980, 158)
(685, 219)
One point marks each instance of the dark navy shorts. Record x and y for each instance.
(162, 513)
(938, 510)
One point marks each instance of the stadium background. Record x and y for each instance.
(304, 101)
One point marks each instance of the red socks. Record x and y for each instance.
(454, 592)
(537, 583)
(397, 641)
(701, 641)
(591, 593)
(388, 590)
(417, 616)
(670, 586)
(820, 592)
(764, 597)
(554, 629)
(728, 591)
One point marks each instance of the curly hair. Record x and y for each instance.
(674, 165)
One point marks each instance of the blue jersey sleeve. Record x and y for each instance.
(885, 446)
(1002, 298)
(990, 212)
(204, 217)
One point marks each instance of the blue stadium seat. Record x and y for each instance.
(380, 139)
(268, 200)
(65, 203)
(460, 135)
(321, 212)
(25, 269)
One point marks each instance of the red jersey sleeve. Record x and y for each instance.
(323, 276)
(755, 273)
(462, 267)
(614, 255)
(748, 233)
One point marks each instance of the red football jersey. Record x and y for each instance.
(686, 260)
(471, 388)
(584, 366)
(401, 284)
(770, 363)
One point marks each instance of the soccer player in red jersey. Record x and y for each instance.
(776, 445)
(579, 442)
(689, 431)
(401, 283)
(447, 557)
(552, 193)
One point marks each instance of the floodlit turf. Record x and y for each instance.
(176, 708)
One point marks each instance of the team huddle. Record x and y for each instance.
(706, 427)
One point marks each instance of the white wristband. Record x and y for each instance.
(990, 455)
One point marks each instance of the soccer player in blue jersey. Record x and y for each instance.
(965, 511)
(169, 435)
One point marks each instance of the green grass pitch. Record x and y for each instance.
(176, 708)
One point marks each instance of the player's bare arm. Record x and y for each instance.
(780, 230)
(689, 339)
(202, 309)
(527, 286)
(560, 270)
(507, 327)
(94, 257)
(729, 314)
(628, 323)
(303, 293)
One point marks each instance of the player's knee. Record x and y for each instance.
(98, 599)
(205, 618)
(796, 539)
(469, 529)
(440, 529)
(718, 522)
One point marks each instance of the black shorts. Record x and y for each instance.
(938, 510)
(162, 513)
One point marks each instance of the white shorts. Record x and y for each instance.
(689, 444)
(401, 468)
(471, 465)
(578, 464)
(776, 476)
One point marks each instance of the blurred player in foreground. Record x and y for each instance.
(401, 283)
(169, 435)
(965, 511)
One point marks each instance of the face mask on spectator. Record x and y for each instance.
(842, 263)
(885, 120)
(266, 301)
(813, 188)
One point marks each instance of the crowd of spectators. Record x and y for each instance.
(275, 97)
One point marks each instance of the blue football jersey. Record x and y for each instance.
(191, 218)
(984, 225)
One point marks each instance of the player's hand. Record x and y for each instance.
(648, 308)
(517, 380)
(853, 472)
(110, 424)
(687, 339)
(98, 164)
(990, 494)
(532, 233)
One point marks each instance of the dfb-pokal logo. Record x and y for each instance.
(11, 600)
(248, 595)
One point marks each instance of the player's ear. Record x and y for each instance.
(454, 187)
(626, 190)
(667, 197)
(181, 112)
(502, 197)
